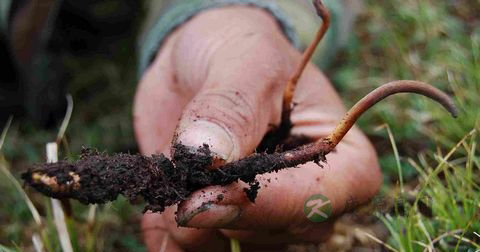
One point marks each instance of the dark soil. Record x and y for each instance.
(161, 182)
(276, 136)
(103, 178)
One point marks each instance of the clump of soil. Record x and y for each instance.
(101, 178)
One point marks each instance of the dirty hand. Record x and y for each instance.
(219, 79)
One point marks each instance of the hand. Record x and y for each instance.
(219, 79)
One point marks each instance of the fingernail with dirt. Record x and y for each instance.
(209, 215)
(202, 132)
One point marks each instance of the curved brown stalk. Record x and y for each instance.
(316, 151)
(307, 55)
(401, 86)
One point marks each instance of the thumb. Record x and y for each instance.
(238, 101)
(231, 117)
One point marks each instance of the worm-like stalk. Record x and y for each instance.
(316, 151)
(394, 87)
(307, 55)
(263, 163)
(98, 178)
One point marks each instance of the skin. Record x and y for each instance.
(219, 79)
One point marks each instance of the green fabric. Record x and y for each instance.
(181, 11)
(4, 10)
(306, 24)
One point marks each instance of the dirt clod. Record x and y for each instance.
(252, 191)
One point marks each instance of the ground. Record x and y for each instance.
(431, 188)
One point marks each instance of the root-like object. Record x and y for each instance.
(98, 178)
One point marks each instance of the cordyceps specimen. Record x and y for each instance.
(161, 182)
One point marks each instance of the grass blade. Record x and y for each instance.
(6, 172)
(395, 152)
(234, 245)
(4, 131)
(6, 249)
(66, 119)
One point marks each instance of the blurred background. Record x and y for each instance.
(88, 50)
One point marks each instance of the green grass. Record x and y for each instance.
(422, 40)
(455, 204)
(435, 42)
(432, 41)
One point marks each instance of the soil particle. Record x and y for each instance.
(275, 136)
(252, 191)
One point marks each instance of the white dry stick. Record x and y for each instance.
(58, 214)
(37, 243)
(91, 214)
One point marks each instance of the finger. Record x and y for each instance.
(240, 90)
(280, 201)
(352, 170)
(277, 208)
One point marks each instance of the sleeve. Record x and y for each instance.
(296, 18)
(4, 10)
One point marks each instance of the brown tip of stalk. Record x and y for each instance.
(380, 93)
(322, 11)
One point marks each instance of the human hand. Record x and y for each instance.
(219, 79)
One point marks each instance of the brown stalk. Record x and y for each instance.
(307, 55)
(316, 151)
(401, 86)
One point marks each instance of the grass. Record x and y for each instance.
(83, 230)
(452, 184)
(394, 43)
(436, 42)
(435, 156)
